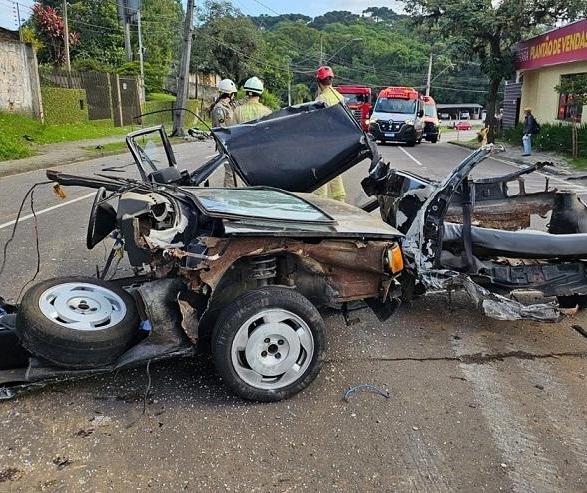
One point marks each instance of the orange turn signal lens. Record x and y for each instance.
(395, 259)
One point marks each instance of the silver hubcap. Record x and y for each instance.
(82, 306)
(272, 349)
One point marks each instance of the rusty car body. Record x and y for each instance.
(242, 270)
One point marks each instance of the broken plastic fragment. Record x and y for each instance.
(366, 387)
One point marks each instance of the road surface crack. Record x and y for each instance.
(476, 358)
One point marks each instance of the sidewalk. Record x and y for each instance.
(55, 155)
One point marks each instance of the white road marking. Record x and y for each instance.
(48, 209)
(411, 157)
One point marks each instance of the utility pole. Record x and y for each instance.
(141, 53)
(184, 70)
(429, 78)
(123, 16)
(66, 36)
(289, 84)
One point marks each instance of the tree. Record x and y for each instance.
(574, 88)
(162, 28)
(300, 93)
(227, 43)
(489, 30)
(49, 28)
(333, 17)
(381, 14)
(101, 36)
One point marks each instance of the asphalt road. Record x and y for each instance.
(475, 404)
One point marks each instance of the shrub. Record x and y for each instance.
(62, 105)
(552, 137)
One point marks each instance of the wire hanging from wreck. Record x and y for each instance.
(16, 221)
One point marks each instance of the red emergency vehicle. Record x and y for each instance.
(358, 101)
(397, 116)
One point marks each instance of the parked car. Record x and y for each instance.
(463, 125)
(444, 116)
(465, 115)
(242, 272)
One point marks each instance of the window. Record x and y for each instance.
(405, 106)
(567, 109)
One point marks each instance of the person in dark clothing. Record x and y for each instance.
(531, 127)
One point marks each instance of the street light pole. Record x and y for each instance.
(428, 79)
(184, 70)
(289, 84)
(141, 64)
(66, 36)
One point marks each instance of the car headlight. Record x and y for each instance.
(409, 121)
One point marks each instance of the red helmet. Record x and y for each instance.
(324, 72)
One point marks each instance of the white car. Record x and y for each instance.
(465, 115)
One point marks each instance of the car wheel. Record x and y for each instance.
(411, 143)
(77, 322)
(268, 344)
(434, 139)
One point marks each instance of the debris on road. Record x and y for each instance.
(365, 387)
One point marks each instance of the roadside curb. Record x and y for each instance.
(19, 168)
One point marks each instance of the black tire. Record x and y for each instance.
(236, 313)
(434, 139)
(68, 347)
(411, 143)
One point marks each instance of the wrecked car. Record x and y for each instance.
(241, 271)
(473, 235)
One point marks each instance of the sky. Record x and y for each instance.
(311, 8)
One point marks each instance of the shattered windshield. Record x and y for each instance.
(259, 203)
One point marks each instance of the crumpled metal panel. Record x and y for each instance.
(493, 305)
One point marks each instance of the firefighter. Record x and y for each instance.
(252, 108)
(223, 116)
(329, 96)
(223, 109)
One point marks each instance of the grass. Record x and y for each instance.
(20, 134)
(578, 163)
(160, 96)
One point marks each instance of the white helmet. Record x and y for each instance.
(226, 86)
(254, 85)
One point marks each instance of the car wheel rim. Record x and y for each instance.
(272, 349)
(82, 306)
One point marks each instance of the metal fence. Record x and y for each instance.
(107, 96)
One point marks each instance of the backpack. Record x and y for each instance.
(535, 126)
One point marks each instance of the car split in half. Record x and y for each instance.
(243, 272)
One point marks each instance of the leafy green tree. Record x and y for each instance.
(334, 17)
(489, 30)
(300, 93)
(161, 28)
(101, 36)
(226, 43)
(381, 14)
(575, 89)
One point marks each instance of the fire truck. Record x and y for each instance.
(358, 101)
(397, 116)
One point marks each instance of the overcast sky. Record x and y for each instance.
(250, 7)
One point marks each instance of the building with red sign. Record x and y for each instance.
(542, 62)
